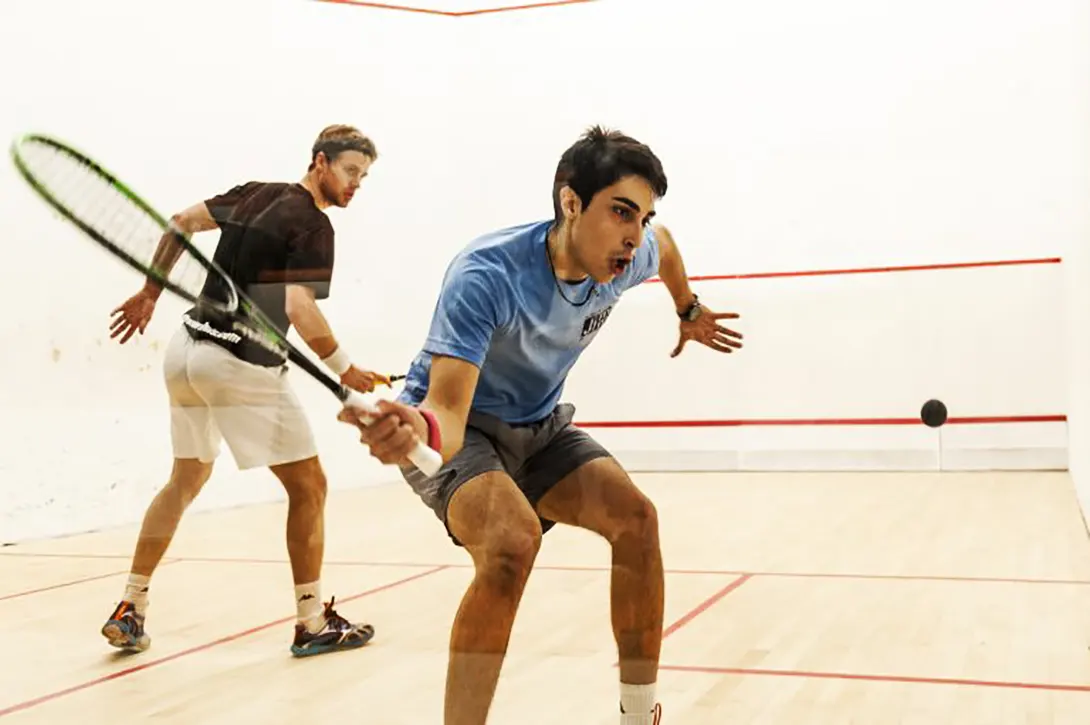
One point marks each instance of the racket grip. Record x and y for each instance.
(427, 459)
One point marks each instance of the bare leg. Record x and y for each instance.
(318, 628)
(165, 512)
(499, 529)
(600, 496)
(305, 483)
(125, 627)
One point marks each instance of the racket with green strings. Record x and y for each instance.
(109, 212)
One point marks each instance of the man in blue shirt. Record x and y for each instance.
(517, 308)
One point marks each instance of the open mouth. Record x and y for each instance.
(619, 264)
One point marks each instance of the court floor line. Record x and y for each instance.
(705, 605)
(964, 682)
(557, 567)
(74, 582)
(456, 13)
(49, 697)
(718, 596)
(700, 608)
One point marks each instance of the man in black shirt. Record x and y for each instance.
(276, 243)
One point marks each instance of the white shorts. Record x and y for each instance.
(214, 396)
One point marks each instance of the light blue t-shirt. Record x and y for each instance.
(500, 308)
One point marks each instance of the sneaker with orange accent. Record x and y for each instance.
(336, 634)
(125, 628)
(650, 718)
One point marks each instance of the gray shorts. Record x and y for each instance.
(536, 456)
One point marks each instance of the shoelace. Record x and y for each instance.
(332, 618)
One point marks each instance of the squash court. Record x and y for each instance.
(790, 598)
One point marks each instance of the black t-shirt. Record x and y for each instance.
(272, 235)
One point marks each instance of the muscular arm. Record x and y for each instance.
(450, 393)
(192, 220)
(672, 269)
(472, 304)
(302, 309)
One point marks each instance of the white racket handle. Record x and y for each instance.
(427, 459)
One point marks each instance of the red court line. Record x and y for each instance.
(587, 568)
(456, 13)
(701, 608)
(870, 270)
(74, 582)
(705, 605)
(740, 422)
(199, 648)
(877, 678)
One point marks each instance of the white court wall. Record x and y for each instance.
(796, 136)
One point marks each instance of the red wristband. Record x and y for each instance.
(435, 439)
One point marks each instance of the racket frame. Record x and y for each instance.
(239, 307)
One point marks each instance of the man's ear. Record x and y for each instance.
(570, 203)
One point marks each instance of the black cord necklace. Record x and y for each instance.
(556, 280)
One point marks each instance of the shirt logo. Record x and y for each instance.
(594, 322)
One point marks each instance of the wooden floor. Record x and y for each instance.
(802, 599)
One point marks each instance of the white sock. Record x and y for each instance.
(136, 591)
(637, 704)
(308, 605)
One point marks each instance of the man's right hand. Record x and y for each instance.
(363, 381)
(133, 315)
(393, 432)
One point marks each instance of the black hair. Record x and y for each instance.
(600, 158)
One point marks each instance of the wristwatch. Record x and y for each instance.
(691, 312)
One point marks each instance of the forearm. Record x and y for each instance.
(166, 256)
(190, 221)
(672, 270)
(452, 429)
(312, 326)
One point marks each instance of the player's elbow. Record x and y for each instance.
(452, 446)
(196, 218)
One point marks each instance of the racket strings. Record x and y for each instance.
(109, 213)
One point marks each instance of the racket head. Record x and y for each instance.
(111, 213)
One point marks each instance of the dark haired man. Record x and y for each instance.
(276, 243)
(517, 308)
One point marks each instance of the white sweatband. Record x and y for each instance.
(338, 361)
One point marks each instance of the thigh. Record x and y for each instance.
(599, 496)
(563, 457)
(488, 514)
(255, 408)
(477, 458)
(193, 430)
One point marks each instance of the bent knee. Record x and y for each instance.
(303, 480)
(188, 477)
(505, 561)
(640, 523)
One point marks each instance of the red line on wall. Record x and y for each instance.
(456, 13)
(966, 420)
(871, 270)
(555, 3)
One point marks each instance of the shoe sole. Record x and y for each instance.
(325, 649)
(117, 637)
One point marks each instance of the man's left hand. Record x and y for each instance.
(706, 330)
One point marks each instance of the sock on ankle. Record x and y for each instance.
(638, 699)
(308, 605)
(136, 591)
